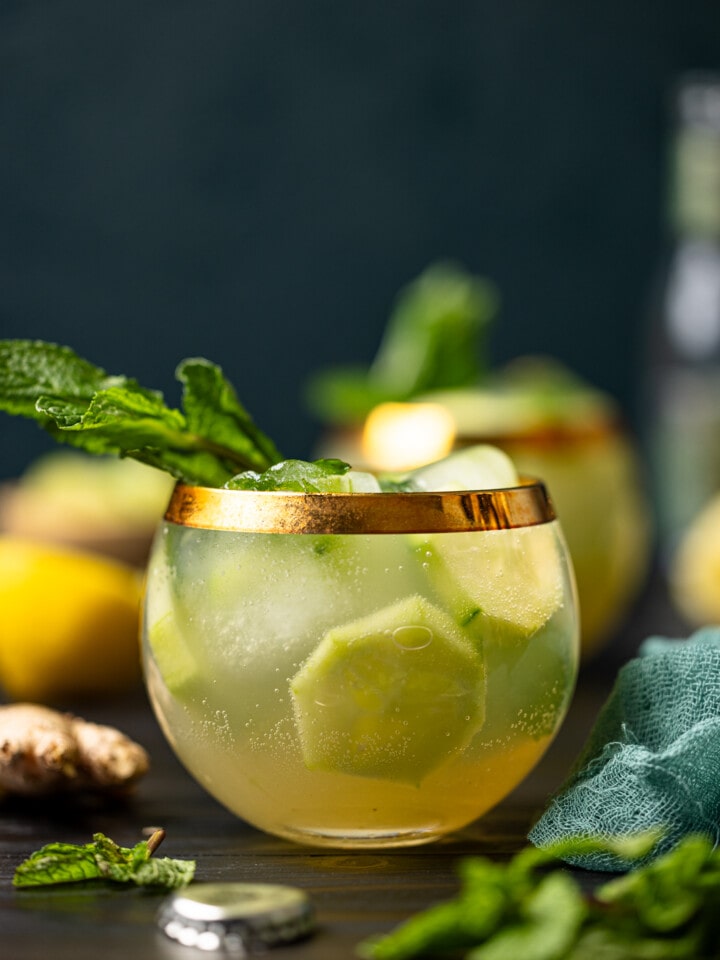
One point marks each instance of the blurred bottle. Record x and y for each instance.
(683, 418)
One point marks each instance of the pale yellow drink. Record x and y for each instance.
(359, 689)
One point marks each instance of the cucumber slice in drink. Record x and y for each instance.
(515, 577)
(173, 657)
(391, 695)
(358, 481)
(176, 664)
(532, 682)
(481, 467)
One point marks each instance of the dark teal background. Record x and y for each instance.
(253, 181)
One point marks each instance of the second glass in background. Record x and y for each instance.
(554, 426)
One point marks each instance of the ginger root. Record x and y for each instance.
(43, 751)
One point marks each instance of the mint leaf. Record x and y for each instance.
(549, 921)
(29, 369)
(345, 395)
(669, 908)
(118, 419)
(78, 403)
(434, 339)
(470, 919)
(300, 476)
(103, 859)
(213, 410)
(668, 892)
(58, 863)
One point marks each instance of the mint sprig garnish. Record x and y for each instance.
(103, 859)
(301, 476)
(434, 339)
(210, 440)
(669, 908)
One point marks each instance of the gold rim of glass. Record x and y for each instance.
(250, 511)
(551, 435)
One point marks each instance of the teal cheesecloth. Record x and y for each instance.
(652, 760)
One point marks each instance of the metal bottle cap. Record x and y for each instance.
(236, 917)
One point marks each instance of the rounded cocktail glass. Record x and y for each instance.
(360, 670)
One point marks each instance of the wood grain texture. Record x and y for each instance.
(356, 894)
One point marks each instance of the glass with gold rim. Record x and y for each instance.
(360, 670)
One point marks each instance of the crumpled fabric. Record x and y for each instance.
(652, 759)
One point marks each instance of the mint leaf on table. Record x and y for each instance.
(669, 908)
(547, 924)
(211, 440)
(103, 859)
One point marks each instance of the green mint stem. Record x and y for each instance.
(225, 454)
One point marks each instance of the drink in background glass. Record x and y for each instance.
(555, 426)
(360, 670)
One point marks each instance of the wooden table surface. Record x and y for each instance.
(356, 894)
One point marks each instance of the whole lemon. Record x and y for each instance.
(69, 622)
(695, 567)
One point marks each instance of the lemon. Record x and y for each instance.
(69, 622)
(391, 695)
(694, 576)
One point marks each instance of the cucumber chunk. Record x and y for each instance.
(176, 664)
(173, 656)
(516, 577)
(532, 682)
(391, 695)
(358, 481)
(481, 467)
